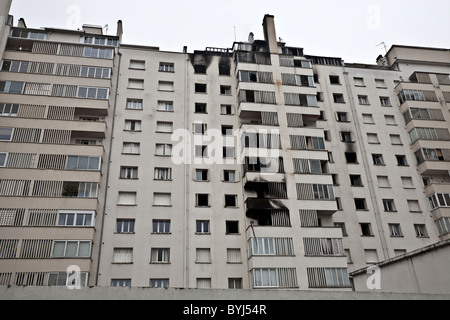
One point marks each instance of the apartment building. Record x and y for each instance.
(56, 96)
(249, 167)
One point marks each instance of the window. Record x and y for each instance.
(227, 130)
(6, 134)
(356, 181)
(351, 157)
(342, 117)
(234, 283)
(414, 206)
(162, 199)
(360, 204)
(123, 255)
(166, 67)
(228, 152)
(163, 174)
(201, 175)
(3, 157)
(200, 88)
(371, 256)
(11, 87)
(390, 120)
(383, 182)
(338, 98)
(363, 100)
(343, 228)
(366, 229)
(9, 110)
(346, 137)
(133, 125)
(90, 52)
(71, 249)
(18, 33)
(395, 230)
(163, 150)
(160, 255)
(226, 90)
(165, 86)
(359, 82)
(164, 127)
(75, 218)
(200, 128)
(133, 104)
(232, 227)
(121, 283)
(203, 283)
(203, 255)
(202, 200)
(83, 163)
(234, 256)
(202, 226)
(137, 64)
(226, 110)
(389, 205)
(378, 159)
(401, 161)
(407, 182)
(335, 80)
(136, 84)
(131, 148)
(421, 231)
(230, 201)
(265, 278)
(128, 173)
(161, 226)
(15, 66)
(201, 108)
(93, 93)
(159, 283)
(372, 138)
(201, 151)
(165, 106)
(368, 118)
(385, 102)
(80, 189)
(229, 176)
(101, 41)
(380, 83)
(396, 139)
(125, 225)
(127, 198)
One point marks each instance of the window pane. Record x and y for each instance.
(83, 163)
(71, 249)
(85, 249)
(94, 163)
(58, 249)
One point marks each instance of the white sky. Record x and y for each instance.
(350, 29)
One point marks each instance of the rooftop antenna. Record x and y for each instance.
(106, 27)
(384, 45)
(235, 37)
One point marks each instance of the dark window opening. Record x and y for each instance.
(360, 204)
(230, 201)
(200, 88)
(232, 227)
(202, 200)
(366, 229)
(351, 157)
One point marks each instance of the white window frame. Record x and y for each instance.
(88, 163)
(165, 148)
(66, 242)
(11, 112)
(160, 255)
(271, 275)
(3, 165)
(159, 226)
(135, 104)
(64, 214)
(88, 89)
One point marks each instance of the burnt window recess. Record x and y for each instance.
(360, 204)
(232, 227)
(356, 181)
(351, 157)
(335, 80)
(202, 200)
(366, 229)
(230, 200)
(200, 88)
(200, 108)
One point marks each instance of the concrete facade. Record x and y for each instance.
(251, 167)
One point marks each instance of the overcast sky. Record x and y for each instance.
(350, 29)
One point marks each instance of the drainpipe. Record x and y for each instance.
(108, 166)
(186, 189)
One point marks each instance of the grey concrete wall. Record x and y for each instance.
(99, 293)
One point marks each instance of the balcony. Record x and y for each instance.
(430, 168)
(433, 188)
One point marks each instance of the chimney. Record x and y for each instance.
(270, 34)
(21, 23)
(120, 30)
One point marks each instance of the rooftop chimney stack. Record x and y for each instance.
(270, 35)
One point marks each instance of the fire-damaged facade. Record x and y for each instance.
(251, 167)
